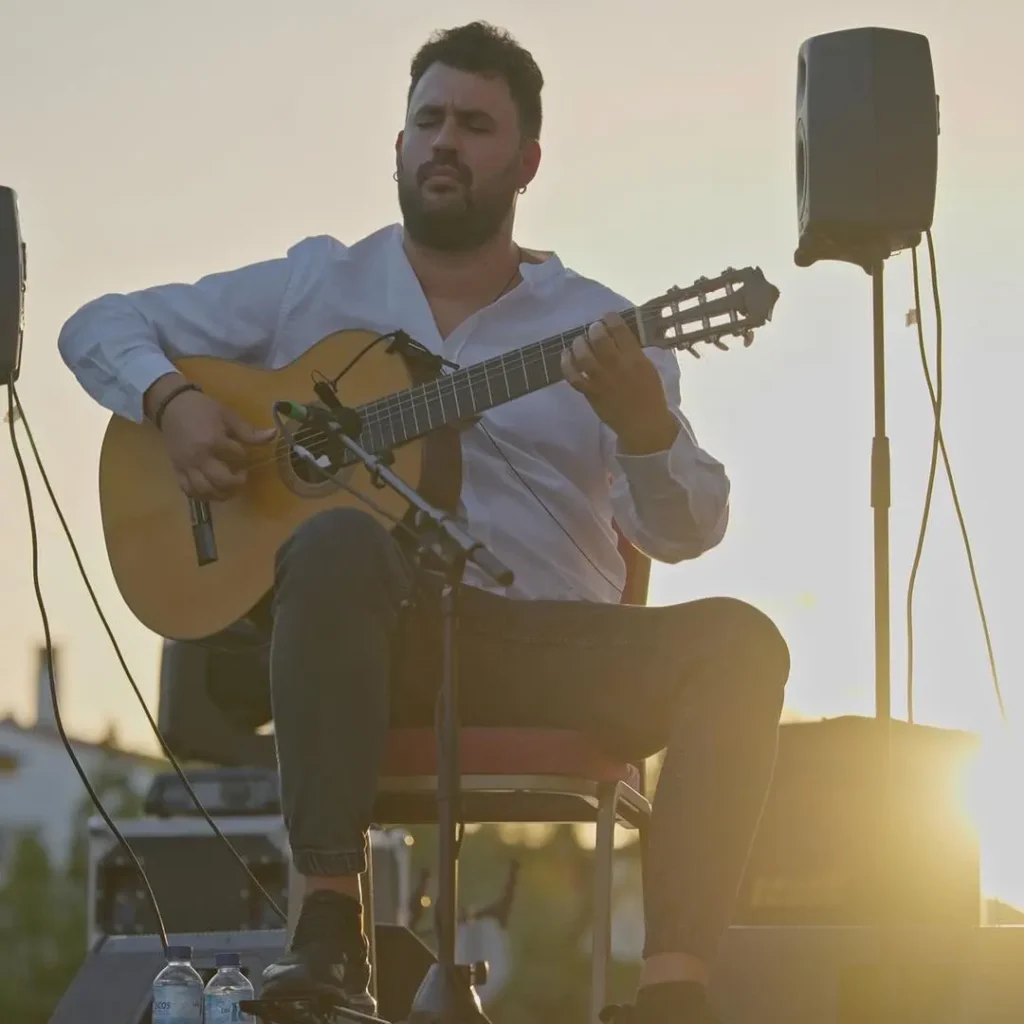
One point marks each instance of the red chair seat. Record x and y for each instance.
(499, 751)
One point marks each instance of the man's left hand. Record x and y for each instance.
(608, 367)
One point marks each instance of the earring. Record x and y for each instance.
(522, 190)
(395, 176)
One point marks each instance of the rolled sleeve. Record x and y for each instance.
(673, 504)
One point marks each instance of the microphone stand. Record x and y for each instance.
(447, 994)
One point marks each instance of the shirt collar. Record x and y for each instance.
(536, 275)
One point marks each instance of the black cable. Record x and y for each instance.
(131, 679)
(543, 505)
(333, 381)
(12, 403)
(934, 395)
(930, 488)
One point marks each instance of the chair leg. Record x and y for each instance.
(604, 853)
(369, 916)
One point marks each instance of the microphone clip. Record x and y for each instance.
(347, 420)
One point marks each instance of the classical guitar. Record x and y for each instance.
(409, 405)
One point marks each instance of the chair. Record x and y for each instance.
(530, 775)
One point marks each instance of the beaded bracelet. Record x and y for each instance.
(162, 407)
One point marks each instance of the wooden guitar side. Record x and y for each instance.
(145, 516)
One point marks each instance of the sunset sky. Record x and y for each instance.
(151, 143)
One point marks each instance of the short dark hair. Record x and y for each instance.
(480, 48)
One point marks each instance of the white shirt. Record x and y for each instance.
(673, 505)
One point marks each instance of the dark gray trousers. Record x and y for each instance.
(348, 659)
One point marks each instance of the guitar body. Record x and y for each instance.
(146, 521)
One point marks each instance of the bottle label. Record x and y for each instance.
(224, 1009)
(178, 1006)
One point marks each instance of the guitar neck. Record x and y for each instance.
(732, 304)
(469, 391)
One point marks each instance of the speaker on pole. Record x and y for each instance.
(867, 124)
(12, 286)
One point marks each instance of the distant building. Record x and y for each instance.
(40, 790)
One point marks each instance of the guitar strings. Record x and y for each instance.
(383, 412)
(496, 368)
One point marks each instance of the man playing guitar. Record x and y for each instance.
(546, 480)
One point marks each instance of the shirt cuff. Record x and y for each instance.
(657, 473)
(134, 380)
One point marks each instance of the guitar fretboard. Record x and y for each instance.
(461, 394)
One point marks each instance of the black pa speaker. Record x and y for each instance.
(12, 286)
(867, 125)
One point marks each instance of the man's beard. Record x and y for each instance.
(463, 225)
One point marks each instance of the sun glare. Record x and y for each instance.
(992, 801)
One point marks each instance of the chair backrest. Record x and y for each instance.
(638, 572)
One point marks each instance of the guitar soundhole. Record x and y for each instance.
(305, 479)
(302, 470)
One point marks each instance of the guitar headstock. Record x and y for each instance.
(734, 304)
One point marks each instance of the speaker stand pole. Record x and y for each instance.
(881, 495)
(881, 502)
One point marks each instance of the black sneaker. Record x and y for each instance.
(328, 957)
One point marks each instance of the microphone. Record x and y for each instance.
(346, 420)
(202, 532)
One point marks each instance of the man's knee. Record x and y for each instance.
(346, 546)
(754, 640)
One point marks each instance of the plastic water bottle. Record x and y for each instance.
(225, 990)
(178, 990)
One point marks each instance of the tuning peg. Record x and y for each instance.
(718, 343)
(693, 352)
(748, 339)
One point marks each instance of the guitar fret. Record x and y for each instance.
(487, 382)
(399, 407)
(437, 417)
(504, 378)
(451, 400)
(477, 384)
(468, 398)
(554, 354)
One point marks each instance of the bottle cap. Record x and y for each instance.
(179, 952)
(228, 960)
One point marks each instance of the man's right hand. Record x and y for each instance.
(206, 442)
